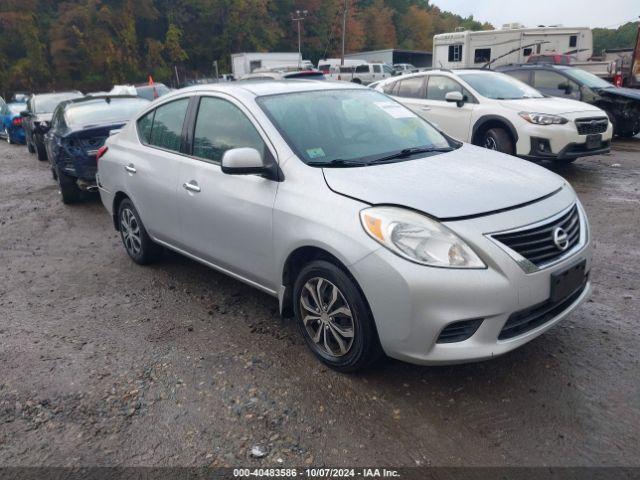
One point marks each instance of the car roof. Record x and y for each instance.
(531, 66)
(70, 92)
(267, 87)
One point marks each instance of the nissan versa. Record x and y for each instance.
(378, 232)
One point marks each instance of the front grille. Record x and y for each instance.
(588, 126)
(459, 331)
(538, 245)
(526, 320)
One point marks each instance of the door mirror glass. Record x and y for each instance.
(456, 97)
(243, 161)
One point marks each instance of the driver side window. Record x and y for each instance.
(556, 85)
(438, 87)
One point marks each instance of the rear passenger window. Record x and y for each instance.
(522, 75)
(166, 131)
(411, 88)
(144, 126)
(362, 69)
(222, 126)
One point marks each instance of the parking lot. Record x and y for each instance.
(108, 363)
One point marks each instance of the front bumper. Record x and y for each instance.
(412, 304)
(563, 142)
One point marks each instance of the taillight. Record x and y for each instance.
(101, 152)
(16, 122)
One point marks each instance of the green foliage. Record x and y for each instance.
(622, 37)
(92, 44)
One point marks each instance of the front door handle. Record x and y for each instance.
(191, 187)
(130, 168)
(426, 109)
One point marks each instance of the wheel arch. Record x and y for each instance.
(487, 122)
(117, 200)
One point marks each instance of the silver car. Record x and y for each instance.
(376, 231)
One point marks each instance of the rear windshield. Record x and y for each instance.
(48, 103)
(110, 110)
(16, 108)
(307, 75)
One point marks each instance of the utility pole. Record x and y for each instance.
(298, 16)
(344, 29)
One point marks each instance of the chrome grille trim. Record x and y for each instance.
(527, 265)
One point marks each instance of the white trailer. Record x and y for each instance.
(511, 44)
(245, 63)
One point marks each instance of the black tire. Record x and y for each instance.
(147, 250)
(364, 347)
(357, 80)
(68, 188)
(54, 174)
(42, 152)
(498, 139)
(30, 147)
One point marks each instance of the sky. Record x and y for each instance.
(570, 13)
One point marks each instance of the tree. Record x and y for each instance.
(381, 31)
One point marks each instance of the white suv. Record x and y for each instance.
(496, 111)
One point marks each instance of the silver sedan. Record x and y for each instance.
(376, 231)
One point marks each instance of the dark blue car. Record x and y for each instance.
(11, 121)
(78, 129)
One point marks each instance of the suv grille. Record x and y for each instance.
(526, 320)
(587, 126)
(538, 244)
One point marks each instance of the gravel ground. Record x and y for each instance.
(103, 362)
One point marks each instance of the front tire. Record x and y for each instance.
(498, 139)
(334, 319)
(135, 238)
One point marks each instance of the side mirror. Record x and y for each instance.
(246, 161)
(455, 97)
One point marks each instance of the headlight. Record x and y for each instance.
(543, 118)
(418, 238)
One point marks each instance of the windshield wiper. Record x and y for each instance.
(338, 163)
(407, 152)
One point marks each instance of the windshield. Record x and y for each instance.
(499, 86)
(48, 103)
(348, 125)
(587, 79)
(101, 112)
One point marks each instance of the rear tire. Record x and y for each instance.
(135, 238)
(347, 340)
(42, 153)
(68, 188)
(498, 139)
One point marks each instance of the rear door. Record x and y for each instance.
(151, 168)
(226, 219)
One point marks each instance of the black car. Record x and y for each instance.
(37, 117)
(78, 129)
(621, 104)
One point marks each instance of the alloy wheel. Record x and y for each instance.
(130, 232)
(490, 143)
(327, 317)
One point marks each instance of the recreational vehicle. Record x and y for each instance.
(511, 44)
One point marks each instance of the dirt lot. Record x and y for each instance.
(103, 362)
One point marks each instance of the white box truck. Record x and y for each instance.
(512, 44)
(244, 63)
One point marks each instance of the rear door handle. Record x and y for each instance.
(130, 168)
(426, 109)
(191, 187)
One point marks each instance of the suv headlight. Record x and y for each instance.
(418, 238)
(543, 118)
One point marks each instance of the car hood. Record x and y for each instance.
(465, 182)
(552, 105)
(620, 92)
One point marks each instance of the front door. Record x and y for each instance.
(452, 119)
(226, 219)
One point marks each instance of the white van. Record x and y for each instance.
(355, 71)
